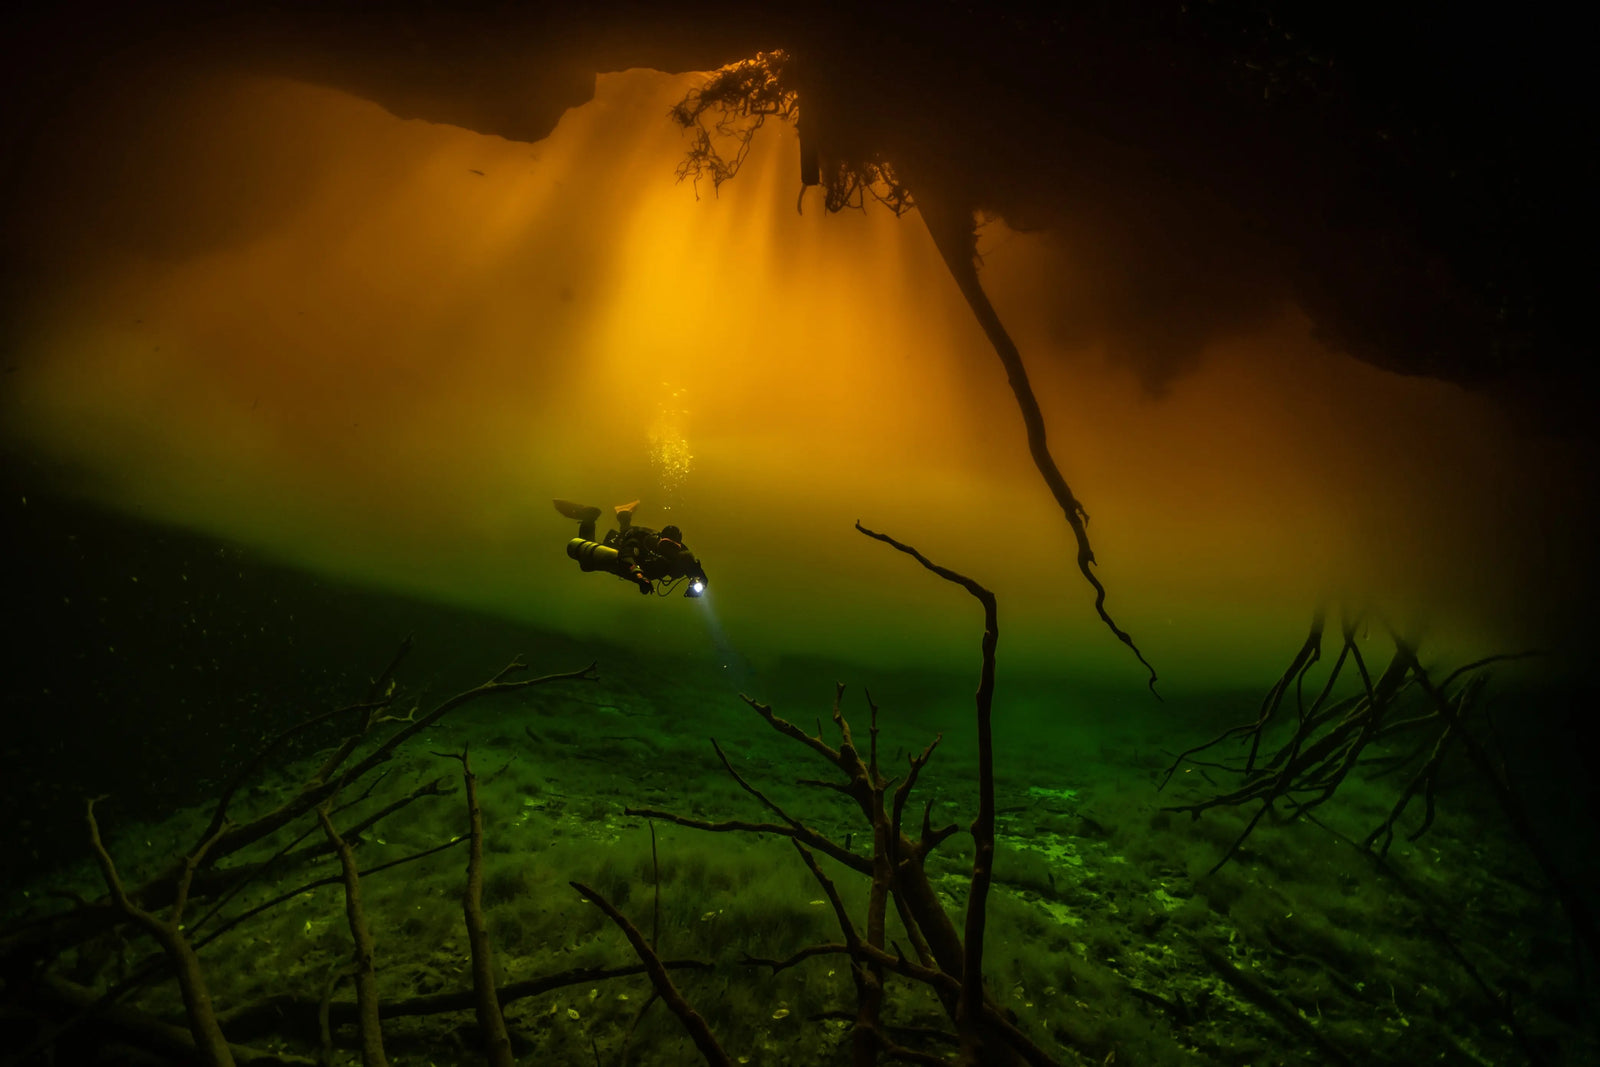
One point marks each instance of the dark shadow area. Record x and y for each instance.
(1411, 178)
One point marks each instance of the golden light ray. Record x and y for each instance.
(390, 377)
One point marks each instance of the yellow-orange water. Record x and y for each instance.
(378, 348)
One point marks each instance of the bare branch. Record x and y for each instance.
(692, 1021)
(491, 1024)
(801, 833)
(361, 934)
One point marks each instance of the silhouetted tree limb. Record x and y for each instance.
(692, 1021)
(802, 833)
(1331, 737)
(44, 935)
(868, 1036)
(300, 1012)
(983, 824)
(492, 1025)
(142, 1029)
(209, 1043)
(1310, 652)
(328, 780)
(1496, 1002)
(255, 762)
(946, 985)
(235, 879)
(742, 96)
(1328, 738)
(362, 969)
(949, 961)
(1572, 900)
(318, 883)
(158, 967)
(951, 227)
(27, 947)
(379, 695)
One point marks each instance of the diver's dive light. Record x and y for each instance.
(591, 555)
(697, 581)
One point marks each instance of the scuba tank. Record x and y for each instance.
(592, 555)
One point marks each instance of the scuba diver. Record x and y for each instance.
(636, 553)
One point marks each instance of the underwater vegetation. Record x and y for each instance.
(570, 868)
(316, 911)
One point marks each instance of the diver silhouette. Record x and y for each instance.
(636, 553)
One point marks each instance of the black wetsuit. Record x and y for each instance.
(642, 547)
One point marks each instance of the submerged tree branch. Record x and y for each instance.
(362, 968)
(496, 1042)
(211, 1047)
(953, 234)
(742, 96)
(693, 1021)
(971, 1001)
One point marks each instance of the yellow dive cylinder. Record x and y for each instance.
(591, 555)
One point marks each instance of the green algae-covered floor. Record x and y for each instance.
(1107, 939)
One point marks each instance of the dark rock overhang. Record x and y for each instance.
(1410, 183)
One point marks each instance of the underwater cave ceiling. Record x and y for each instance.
(1404, 180)
(348, 285)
